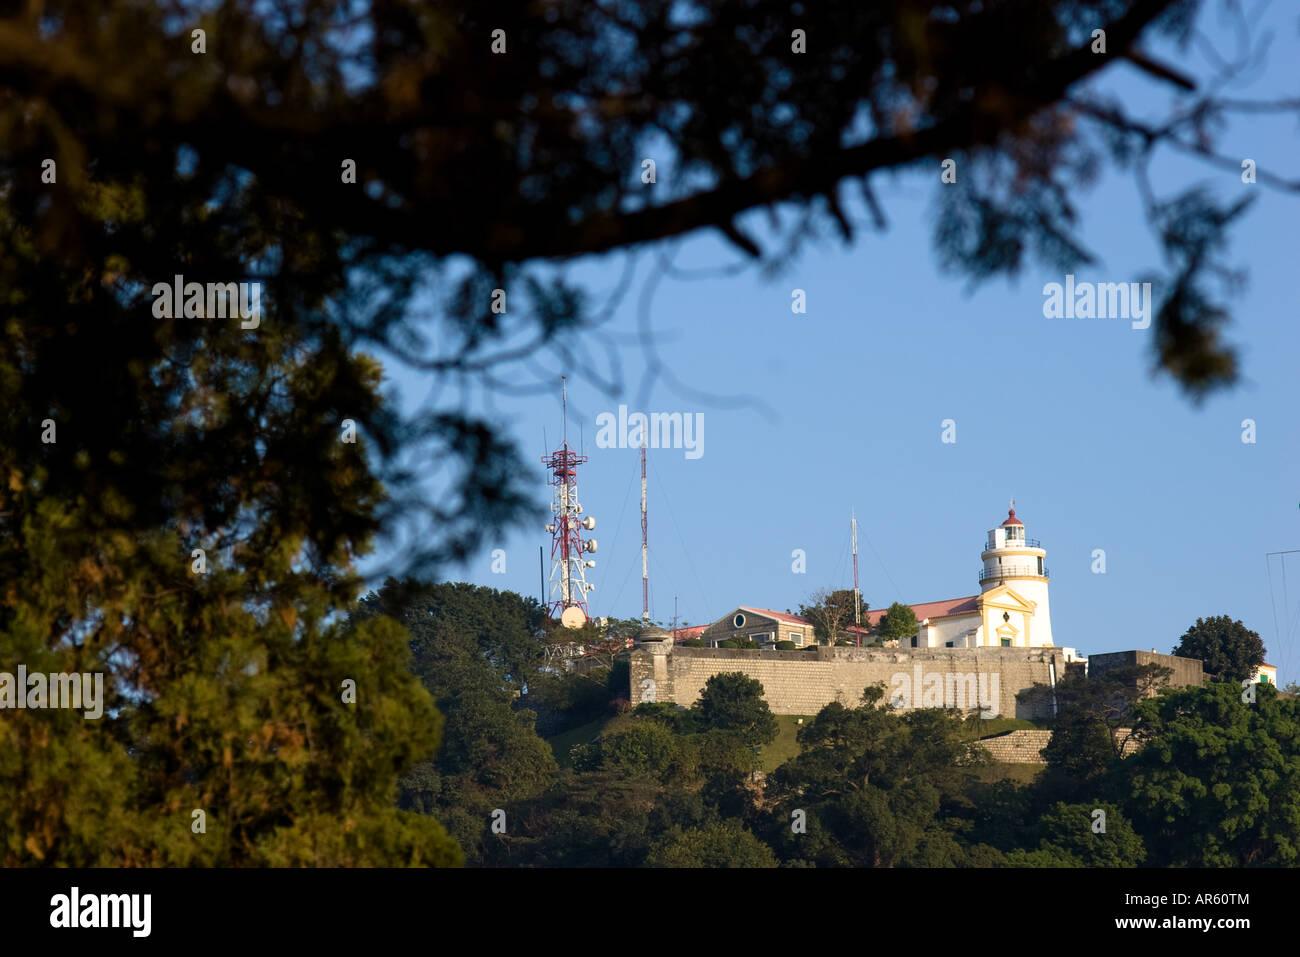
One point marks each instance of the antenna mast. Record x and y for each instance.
(645, 552)
(857, 595)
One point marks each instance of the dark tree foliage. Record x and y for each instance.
(717, 845)
(878, 789)
(473, 648)
(477, 170)
(1086, 738)
(645, 747)
(601, 818)
(1073, 835)
(1227, 649)
(494, 632)
(1217, 782)
(734, 702)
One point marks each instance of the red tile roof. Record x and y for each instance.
(1011, 519)
(694, 631)
(931, 609)
(778, 615)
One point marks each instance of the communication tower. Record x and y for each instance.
(569, 585)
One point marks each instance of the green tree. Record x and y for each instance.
(727, 844)
(1070, 836)
(647, 747)
(734, 702)
(878, 789)
(899, 622)
(1086, 741)
(473, 649)
(1042, 857)
(599, 818)
(1217, 781)
(1227, 649)
(190, 535)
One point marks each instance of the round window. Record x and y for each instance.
(739, 621)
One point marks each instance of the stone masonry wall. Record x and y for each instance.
(803, 682)
(1018, 747)
(1026, 746)
(1187, 672)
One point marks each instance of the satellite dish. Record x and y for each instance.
(591, 545)
(589, 523)
(573, 617)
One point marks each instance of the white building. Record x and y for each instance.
(1265, 674)
(1011, 610)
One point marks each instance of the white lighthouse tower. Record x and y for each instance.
(1014, 567)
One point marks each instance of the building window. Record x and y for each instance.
(948, 645)
(739, 621)
(1263, 679)
(1015, 533)
(1040, 564)
(796, 637)
(760, 638)
(1006, 642)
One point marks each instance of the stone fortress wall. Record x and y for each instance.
(975, 680)
(982, 681)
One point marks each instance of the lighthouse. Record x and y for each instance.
(1015, 565)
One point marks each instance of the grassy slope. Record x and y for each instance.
(583, 734)
(1016, 773)
(784, 747)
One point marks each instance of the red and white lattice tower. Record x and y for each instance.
(569, 586)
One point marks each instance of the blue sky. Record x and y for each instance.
(1063, 415)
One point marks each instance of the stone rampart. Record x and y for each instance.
(974, 680)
